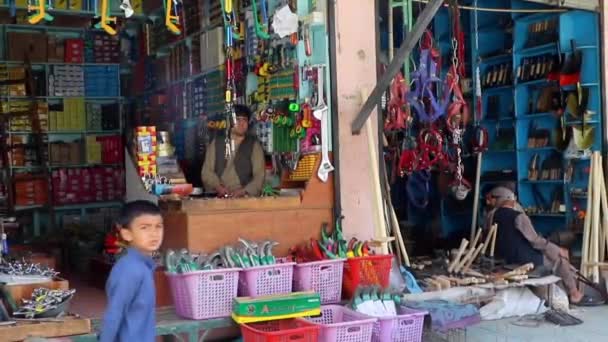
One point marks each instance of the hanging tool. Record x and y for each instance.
(171, 17)
(106, 18)
(229, 17)
(127, 8)
(321, 113)
(261, 30)
(39, 10)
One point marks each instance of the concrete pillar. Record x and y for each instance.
(355, 66)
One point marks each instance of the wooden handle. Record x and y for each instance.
(493, 241)
(456, 260)
(488, 238)
(476, 239)
(470, 262)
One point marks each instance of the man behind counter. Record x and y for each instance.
(243, 174)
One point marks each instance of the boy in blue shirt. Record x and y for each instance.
(130, 315)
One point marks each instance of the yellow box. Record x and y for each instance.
(53, 120)
(93, 150)
(137, 6)
(61, 4)
(75, 5)
(61, 125)
(21, 3)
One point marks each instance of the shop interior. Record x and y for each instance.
(104, 103)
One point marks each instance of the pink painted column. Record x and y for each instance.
(356, 70)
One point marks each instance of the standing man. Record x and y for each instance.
(243, 174)
(518, 243)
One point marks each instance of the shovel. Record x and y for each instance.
(320, 112)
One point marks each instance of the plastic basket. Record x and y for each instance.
(405, 327)
(341, 324)
(323, 277)
(305, 169)
(266, 280)
(204, 294)
(373, 270)
(286, 330)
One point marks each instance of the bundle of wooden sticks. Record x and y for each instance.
(462, 262)
(595, 233)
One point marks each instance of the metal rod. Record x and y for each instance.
(395, 64)
(333, 104)
(476, 194)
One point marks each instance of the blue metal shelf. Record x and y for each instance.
(537, 50)
(535, 83)
(525, 181)
(497, 89)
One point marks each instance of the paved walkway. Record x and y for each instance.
(594, 329)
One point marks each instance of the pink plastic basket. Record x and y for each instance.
(323, 277)
(405, 327)
(266, 280)
(204, 294)
(341, 324)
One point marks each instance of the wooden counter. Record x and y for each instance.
(208, 224)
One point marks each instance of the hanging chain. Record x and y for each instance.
(230, 84)
(457, 140)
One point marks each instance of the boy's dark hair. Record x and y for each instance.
(243, 111)
(132, 210)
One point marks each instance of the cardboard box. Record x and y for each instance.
(34, 45)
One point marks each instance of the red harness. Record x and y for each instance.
(398, 110)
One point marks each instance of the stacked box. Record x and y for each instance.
(31, 191)
(74, 51)
(112, 150)
(212, 49)
(24, 123)
(102, 48)
(63, 153)
(95, 184)
(146, 149)
(66, 80)
(94, 117)
(102, 81)
(93, 150)
(56, 48)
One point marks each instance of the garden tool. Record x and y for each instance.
(127, 8)
(583, 138)
(226, 254)
(106, 18)
(39, 8)
(268, 255)
(261, 30)
(251, 252)
(171, 17)
(171, 261)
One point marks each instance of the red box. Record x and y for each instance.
(74, 51)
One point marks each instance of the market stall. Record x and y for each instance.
(229, 126)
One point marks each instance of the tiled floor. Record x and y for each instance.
(594, 329)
